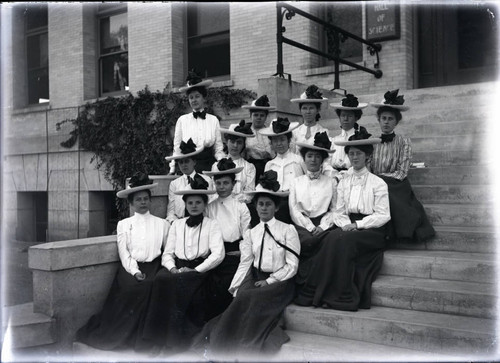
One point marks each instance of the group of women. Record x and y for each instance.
(308, 219)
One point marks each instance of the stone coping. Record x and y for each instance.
(63, 255)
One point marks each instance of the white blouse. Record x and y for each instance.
(339, 157)
(189, 243)
(311, 198)
(140, 238)
(203, 132)
(258, 147)
(281, 263)
(245, 180)
(299, 135)
(365, 193)
(176, 206)
(233, 217)
(288, 166)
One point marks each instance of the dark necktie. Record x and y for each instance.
(200, 114)
(387, 138)
(266, 230)
(190, 180)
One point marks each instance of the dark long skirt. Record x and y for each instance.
(120, 322)
(340, 274)
(260, 165)
(205, 160)
(177, 307)
(283, 213)
(252, 322)
(310, 244)
(409, 221)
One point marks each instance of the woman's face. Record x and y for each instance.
(347, 120)
(280, 144)
(141, 202)
(224, 186)
(258, 119)
(196, 100)
(186, 165)
(357, 158)
(265, 208)
(313, 160)
(387, 121)
(309, 112)
(235, 146)
(195, 205)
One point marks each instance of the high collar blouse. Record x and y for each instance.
(276, 260)
(233, 217)
(203, 132)
(140, 238)
(258, 147)
(288, 166)
(365, 193)
(311, 198)
(339, 158)
(176, 206)
(299, 135)
(189, 243)
(245, 180)
(392, 159)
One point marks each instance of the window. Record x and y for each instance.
(37, 52)
(347, 16)
(113, 49)
(208, 39)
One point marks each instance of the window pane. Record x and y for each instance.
(207, 18)
(36, 16)
(114, 73)
(210, 55)
(347, 17)
(38, 85)
(114, 33)
(37, 49)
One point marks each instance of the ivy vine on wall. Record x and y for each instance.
(135, 133)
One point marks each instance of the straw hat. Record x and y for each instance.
(188, 149)
(279, 126)
(392, 100)
(243, 129)
(268, 184)
(261, 103)
(138, 182)
(224, 166)
(321, 142)
(350, 103)
(194, 80)
(311, 95)
(198, 186)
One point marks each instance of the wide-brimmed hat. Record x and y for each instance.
(361, 137)
(139, 181)
(198, 186)
(392, 100)
(194, 80)
(311, 95)
(261, 103)
(188, 149)
(243, 129)
(279, 126)
(350, 103)
(268, 184)
(224, 166)
(321, 142)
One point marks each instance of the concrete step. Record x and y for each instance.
(426, 331)
(457, 238)
(444, 142)
(441, 265)
(24, 328)
(450, 175)
(438, 296)
(470, 215)
(454, 194)
(452, 157)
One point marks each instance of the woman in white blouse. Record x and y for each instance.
(313, 195)
(200, 126)
(179, 294)
(263, 284)
(349, 258)
(349, 111)
(140, 239)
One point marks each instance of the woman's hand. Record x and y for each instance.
(316, 231)
(261, 283)
(174, 270)
(350, 227)
(139, 276)
(186, 269)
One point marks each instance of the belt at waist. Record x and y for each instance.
(189, 263)
(259, 275)
(232, 246)
(356, 216)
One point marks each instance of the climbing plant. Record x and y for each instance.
(135, 133)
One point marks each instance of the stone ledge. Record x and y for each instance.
(63, 255)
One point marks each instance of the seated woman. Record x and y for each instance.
(200, 126)
(178, 298)
(140, 241)
(349, 112)
(391, 161)
(286, 164)
(313, 195)
(340, 274)
(236, 138)
(258, 149)
(263, 284)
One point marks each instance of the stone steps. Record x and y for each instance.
(438, 296)
(451, 157)
(453, 194)
(25, 328)
(440, 265)
(463, 215)
(418, 330)
(450, 175)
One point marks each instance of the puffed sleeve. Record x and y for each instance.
(168, 257)
(291, 265)
(297, 217)
(246, 260)
(381, 212)
(217, 251)
(123, 234)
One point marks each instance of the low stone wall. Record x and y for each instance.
(71, 280)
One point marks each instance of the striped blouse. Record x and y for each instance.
(392, 159)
